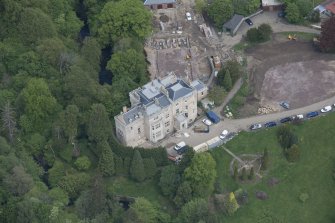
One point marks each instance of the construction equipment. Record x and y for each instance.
(292, 37)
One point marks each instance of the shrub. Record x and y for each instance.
(293, 153)
(83, 163)
(286, 137)
(260, 34)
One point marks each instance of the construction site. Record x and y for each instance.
(188, 48)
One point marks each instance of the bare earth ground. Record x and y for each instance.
(288, 70)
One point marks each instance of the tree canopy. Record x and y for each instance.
(201, 174)
(123, 19)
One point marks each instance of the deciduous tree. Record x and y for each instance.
(327, 39)
(8, 120)
(220, 11)
(293, 13)
(201, 174)
(39, 106)
(123, 19)
(169, 180)
(19, 182)
(194, 211)
(129, 64)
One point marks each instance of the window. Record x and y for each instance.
(202, 93)
(168, 115)
(177, 111)
(168, 130)
(139, 130)
(156, 118)
(131, 128)
(186, 107)
(167, 124)
(153, 127)
(186, 115)
(158, 134)
(158, 125)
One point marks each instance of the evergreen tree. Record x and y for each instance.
(150, 167)
(227, 82)
(137, 167)
(265, 160)
(118, 165)
(244, 174)
(235, 175)
(106, 162)
(126, 165)
(251, 174)
(231, 204)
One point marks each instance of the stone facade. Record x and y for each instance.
(158, 109)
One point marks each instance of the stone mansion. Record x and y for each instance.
(159, 108)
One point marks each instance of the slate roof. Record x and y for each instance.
(163, 101)
(198, 85)
(233, 22)
(178, 90)
(157, 2)
(152, 109)
(132, 114)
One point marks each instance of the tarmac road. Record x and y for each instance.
(236, 125)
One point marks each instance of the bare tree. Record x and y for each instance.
(65, 62)
(8, 120)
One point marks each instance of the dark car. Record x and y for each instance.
(312, 114)
(281, 14)
(249, 22)
(284, 104)
(270, 124)
(287, 119)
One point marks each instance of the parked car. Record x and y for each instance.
(249, 22)
(188, 16)
(223, 134)
(281, 14)
(207, 122)
(255, 126)
(300, 116)
(270, 124)
(284, 104)
(326, 109)
(312, 114)
(287, 119)
(180, 147)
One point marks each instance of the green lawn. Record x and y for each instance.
(148, 189)
(312, 174)
(300, 35)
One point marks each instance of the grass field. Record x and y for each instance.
(312, 174)
(148, 189)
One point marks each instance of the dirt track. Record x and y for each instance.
(288, 70)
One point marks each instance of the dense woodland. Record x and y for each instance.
(56, 145)
(57, 149)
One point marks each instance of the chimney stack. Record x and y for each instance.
(124, 109)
